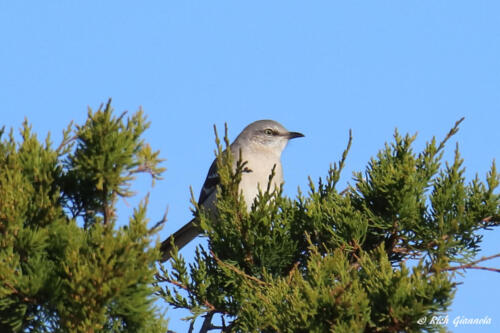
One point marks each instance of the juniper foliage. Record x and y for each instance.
(65, 265)
(374, 257)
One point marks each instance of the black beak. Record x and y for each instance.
(293, 135)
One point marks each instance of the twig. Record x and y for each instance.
(406, 251)
(237, 271)
(472, 265)
(191, 327)
(66, 141)
(292, 272)
(485, 258)
(346, 190)
(207, 323)
(186, 288)
(497, 270)
(142, 168)
(17, 292)
(177, 284)
(452, 132)
(159, 223)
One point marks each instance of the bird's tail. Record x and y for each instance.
(181, 237)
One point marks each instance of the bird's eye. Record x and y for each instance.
(269, 131)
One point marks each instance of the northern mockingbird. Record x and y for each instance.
(261, 144)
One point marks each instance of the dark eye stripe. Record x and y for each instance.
(269, 131)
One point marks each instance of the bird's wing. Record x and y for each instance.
(210, 184)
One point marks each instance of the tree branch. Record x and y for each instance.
(207, 323)
(186, 288)
(238, 271)
(159, 223)
(472, 265)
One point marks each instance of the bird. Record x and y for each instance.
(260, 144)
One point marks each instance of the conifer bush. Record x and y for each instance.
(65, 265)
(375, 257)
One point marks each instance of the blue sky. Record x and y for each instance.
(320, 68)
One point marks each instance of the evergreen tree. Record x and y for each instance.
(65, 265)
(375, 257)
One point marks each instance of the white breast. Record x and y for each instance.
(261, 168)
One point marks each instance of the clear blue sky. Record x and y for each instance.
(319, 67)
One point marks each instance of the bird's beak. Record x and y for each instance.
(293, 135)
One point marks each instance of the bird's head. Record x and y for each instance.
(268, 135)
